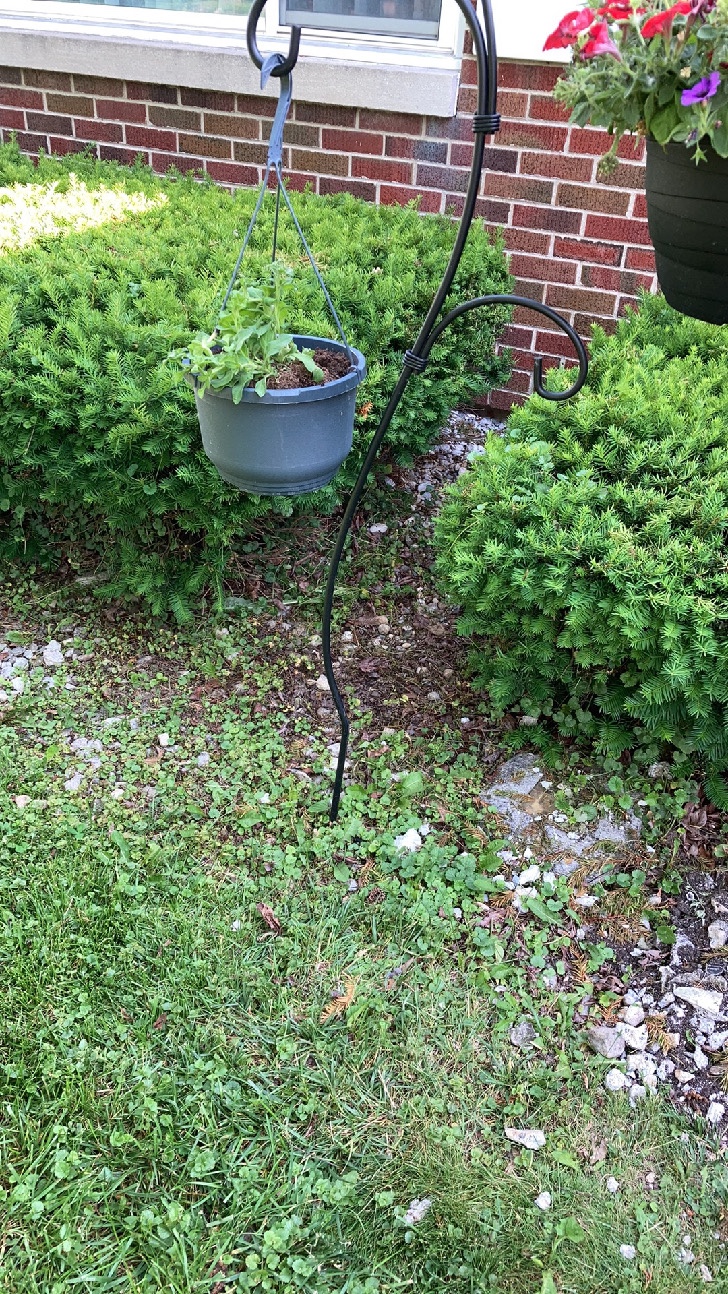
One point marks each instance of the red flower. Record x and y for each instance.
(619, 11)
(571, 25)
(600, 42)
(661, 23)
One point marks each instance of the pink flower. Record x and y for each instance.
(571, 25)
(661, 23)
(600, 42)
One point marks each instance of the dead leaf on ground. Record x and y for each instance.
(341, 1003)
(270, 918)
(598, 1153)
(160, 1021)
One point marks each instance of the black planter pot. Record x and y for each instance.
(285, 442)
(687, 210)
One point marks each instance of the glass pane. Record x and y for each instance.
(236, 8)
(414, 18)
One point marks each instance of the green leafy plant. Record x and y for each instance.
(101, 463)
(649, 68)
(248, 345)
(586, 547)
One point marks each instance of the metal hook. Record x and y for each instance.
(286, 64)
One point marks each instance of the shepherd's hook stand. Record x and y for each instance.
(486, 121)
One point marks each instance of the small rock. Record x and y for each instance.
(615, 1080)
(706, 1274)
(699, 1058)
(410, 842)
(637, 1093)
(164, 739)
(665, 1070)
(612, 1185)
(706, 1000)
(528, 721)
(52, 654)
(17, 684)
(715, 1112)
(718, 934)
(22, 801)
(529, 1138)
(417, 1210)
(74, 783)
(660, 772)
(635, 1038)
(628, 1252)
(236, 925)
(633, 1015)
(203, 759)
(322, 683)
(543, 1201)
(606, 1041)
(683, 1076)
(685, 1256)
(530, 875)
(379, 528)
(522, 1034)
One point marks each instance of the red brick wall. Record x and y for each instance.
(577, 242)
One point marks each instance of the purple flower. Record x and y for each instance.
(701, 92)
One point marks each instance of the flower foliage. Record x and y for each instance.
(646, 67)
(587, 547)
(100, 453)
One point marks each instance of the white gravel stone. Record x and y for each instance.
(322, 683)
(700, 1060)
(543, 1201)
(683, 1076)
(529, 1138)
(17, 684)
(709, 1001)
(612, 1185)
(379, 528)
(22, 801)
(417, 1210)
(73, 784)
(715, 1112)
(635, 1038)
(706, 1274)
(718, 934)
(530, 875)
(410, 842)
(634, 1015)
(203, 759)
(615, 1080)
(637, 1093)
(164, 739)
(52, 654)
(628, 1252)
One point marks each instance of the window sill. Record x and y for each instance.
(211, 55)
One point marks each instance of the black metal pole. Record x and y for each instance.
(485, 122)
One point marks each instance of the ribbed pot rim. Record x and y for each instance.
(299, 394)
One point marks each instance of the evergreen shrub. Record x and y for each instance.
(100, 452)
(587, 546)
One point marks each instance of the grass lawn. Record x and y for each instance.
(239, 1043)
(244, 1049)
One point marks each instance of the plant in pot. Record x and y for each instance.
(662, 71)
(276, 410)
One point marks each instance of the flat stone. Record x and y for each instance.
(529, 1138)
(715, 1112)
(703, 999)
(543, 1201)
(409, 842)
(606, 1041)
(518, 776)
(637, 1093)
(628, 1252)
(615, 1080)
(612, 1185)
(522, 1034)
(53, 654)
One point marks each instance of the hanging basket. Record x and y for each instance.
(687, 210)
(284, 442)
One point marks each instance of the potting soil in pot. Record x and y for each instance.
(293, 376)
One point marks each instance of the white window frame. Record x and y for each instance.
(207, 51)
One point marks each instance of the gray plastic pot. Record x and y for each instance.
(687, 211)
(285, 442)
